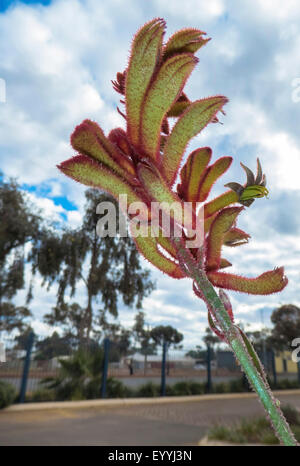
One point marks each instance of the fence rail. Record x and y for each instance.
(27, 374)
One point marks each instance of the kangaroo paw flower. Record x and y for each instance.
(144, 161)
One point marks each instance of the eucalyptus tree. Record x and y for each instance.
(107, 269)
(19, 227)
(286, 320)
(142, 334)
(166, 334)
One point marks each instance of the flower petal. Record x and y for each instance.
(185, 40)
(179, 106)
(191, 122)
(118, 136)
(212, 174)
(222, 223)
(167, 244)
(224, 263)
(143, 61)
(192, 173)
(235, 237)
(147, 246)
(224, 200)
(250, 175)
(86, 171)
(162, 93)
(266, 283)
(159, 191)
(89, 139)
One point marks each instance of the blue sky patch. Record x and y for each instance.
(44, 191)
(5, 4)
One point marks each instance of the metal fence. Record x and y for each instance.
(23, 371)
(165, 368)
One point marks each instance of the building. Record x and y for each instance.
(284, 363)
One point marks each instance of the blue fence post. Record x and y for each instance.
(208, 363)
(26, 368)
(105, 367)
(163, 370)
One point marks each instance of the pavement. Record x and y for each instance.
(175, 423)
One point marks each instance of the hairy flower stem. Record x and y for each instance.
(235, 341)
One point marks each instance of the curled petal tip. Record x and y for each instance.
(236, 187)
(259, 173)
(250, 175)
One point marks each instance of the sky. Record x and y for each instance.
(57, 59)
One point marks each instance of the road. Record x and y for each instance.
(164, 424)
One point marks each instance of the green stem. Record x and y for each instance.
(233, 338)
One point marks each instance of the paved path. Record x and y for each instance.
(163, 424)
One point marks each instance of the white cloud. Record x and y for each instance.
(57, 63)
(51, 84)
(276, 9)
(48, 209)
(74, 218)
(247, 123)
(192, 10)
(43, 330)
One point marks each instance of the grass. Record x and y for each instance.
(256, 430)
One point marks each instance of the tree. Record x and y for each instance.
(260, 339)
(13, 317)
(70, 318)
(119, 336)
(286, 320)
(143, 337)
(198, 353)
(168, 334)
(22, 339)
(19, 222)
(210, 339)
(53, 346)
(108, 267)
(20, 225)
